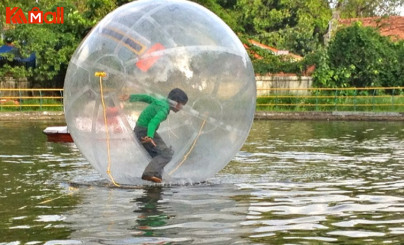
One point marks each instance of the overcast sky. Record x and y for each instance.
(401, 11)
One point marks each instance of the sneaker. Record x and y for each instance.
(152, 179)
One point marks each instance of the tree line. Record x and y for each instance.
(355, 56)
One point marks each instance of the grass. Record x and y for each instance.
(379, 103)
(32, 105)
(274, 102)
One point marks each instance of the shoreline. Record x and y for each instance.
(331, 116)
(32, 115)
(259, 115)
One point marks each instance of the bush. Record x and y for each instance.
(360, 57)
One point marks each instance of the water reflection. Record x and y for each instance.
(159, 215)
(292, 183)
(150, 213)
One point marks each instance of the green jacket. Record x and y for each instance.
(156, 112)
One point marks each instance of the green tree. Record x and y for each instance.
(360, 57)
(226, 15)
(296, 25)
(53, 44)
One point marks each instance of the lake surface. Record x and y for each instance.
(293, 182)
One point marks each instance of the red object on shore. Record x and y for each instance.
(10, 102)
(58, 134)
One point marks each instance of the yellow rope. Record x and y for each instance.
(71, 191)
(101, 75)
(192, 147)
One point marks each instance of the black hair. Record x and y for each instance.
(178, 95)
(9, 39)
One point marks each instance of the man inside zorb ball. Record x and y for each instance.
(139, 65)
(147, 125)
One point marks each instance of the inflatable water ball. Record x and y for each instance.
(152, 47)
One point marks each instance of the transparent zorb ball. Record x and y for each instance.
(151, 47)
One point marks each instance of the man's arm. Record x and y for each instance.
(137, 97)
(155, 122)
(141, 97)
(153, 125)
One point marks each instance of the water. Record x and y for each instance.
(293, 182)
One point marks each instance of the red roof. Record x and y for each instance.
(273, 50)
(392, 26)
(263, 46)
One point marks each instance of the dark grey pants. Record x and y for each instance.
(161, 154)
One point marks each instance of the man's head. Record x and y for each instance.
(9, 40)
(178, 96)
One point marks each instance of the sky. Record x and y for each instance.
(401, 9)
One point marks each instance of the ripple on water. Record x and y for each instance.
(293, 207)
(297, 183)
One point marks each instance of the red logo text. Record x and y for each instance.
(14, 15)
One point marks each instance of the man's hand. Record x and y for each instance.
(147, 139)
(124, 97)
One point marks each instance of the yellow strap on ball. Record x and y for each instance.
(100, 74)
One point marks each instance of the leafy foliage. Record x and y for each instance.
(214, 6)
(53, 44)
(360, 57)
(294, 25)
